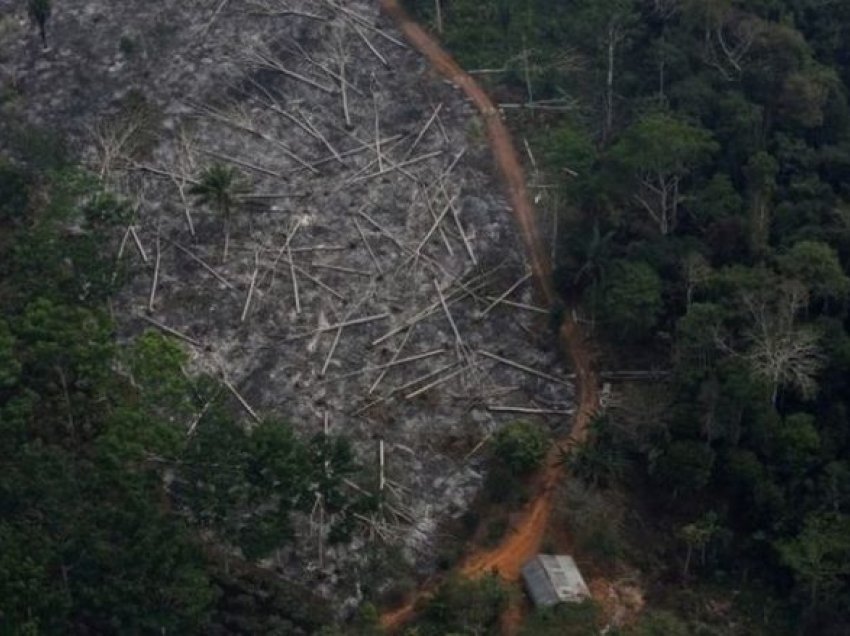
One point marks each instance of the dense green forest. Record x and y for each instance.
(133, 500)
(698, 156)
(703, 151)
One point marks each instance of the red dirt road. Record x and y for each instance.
(500, 141)
(525, 538)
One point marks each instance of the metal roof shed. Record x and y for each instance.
(552, 579)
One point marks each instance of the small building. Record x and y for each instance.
(551, 579)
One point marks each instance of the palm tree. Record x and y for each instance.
(39, 11)
(218, 187)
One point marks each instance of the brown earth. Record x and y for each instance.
(526, 536)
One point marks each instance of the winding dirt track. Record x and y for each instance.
(524, 540)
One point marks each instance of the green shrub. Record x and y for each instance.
(659, 623)
(464, 606)
(521, 446)
(563, 620)
(14, 193)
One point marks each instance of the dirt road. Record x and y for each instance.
(500, 141)
(525, 538)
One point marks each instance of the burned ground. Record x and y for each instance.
(373, 283)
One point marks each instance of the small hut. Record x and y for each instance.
(551, 579)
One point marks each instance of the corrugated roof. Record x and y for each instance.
(553, 579)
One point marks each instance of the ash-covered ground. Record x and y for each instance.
(373, 282)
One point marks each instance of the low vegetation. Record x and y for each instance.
(520, 447)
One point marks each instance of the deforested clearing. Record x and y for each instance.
(316, 218)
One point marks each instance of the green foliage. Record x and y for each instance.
(109, 557)
(631, 299)
(58, 249)
(102, 492)
(696, 337)
(255, 601)
(699, 535)
(25, 581)
(218, 187)
(816, 265)
(659, 623)
(658, 152)
(229, 474)
(39, 10)
(660, 143)
(685, 466)
(503, 486)
(707, 232)
(597, 461)
(596, 520)
(819, 555)
(798, 443)
(10, 367)
(365, 623)
(495, 532)
(464, 607)
(804, 96)
(568, 147)
(156, 365)
(40, 155)
(717, 201)
(73, 339)
(712, 146)
(14, 194)
(570, 154)
(521, 446)
(567, 619)
(245, 486)
(331, 460)
(127, 45)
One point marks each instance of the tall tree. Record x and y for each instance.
(760, 172)
(820, 555)
(728, 34)
(698, 535)
(607, 25)
(660, 151)
(816, 265)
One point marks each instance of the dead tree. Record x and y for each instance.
(776, 348)
(782, 352)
